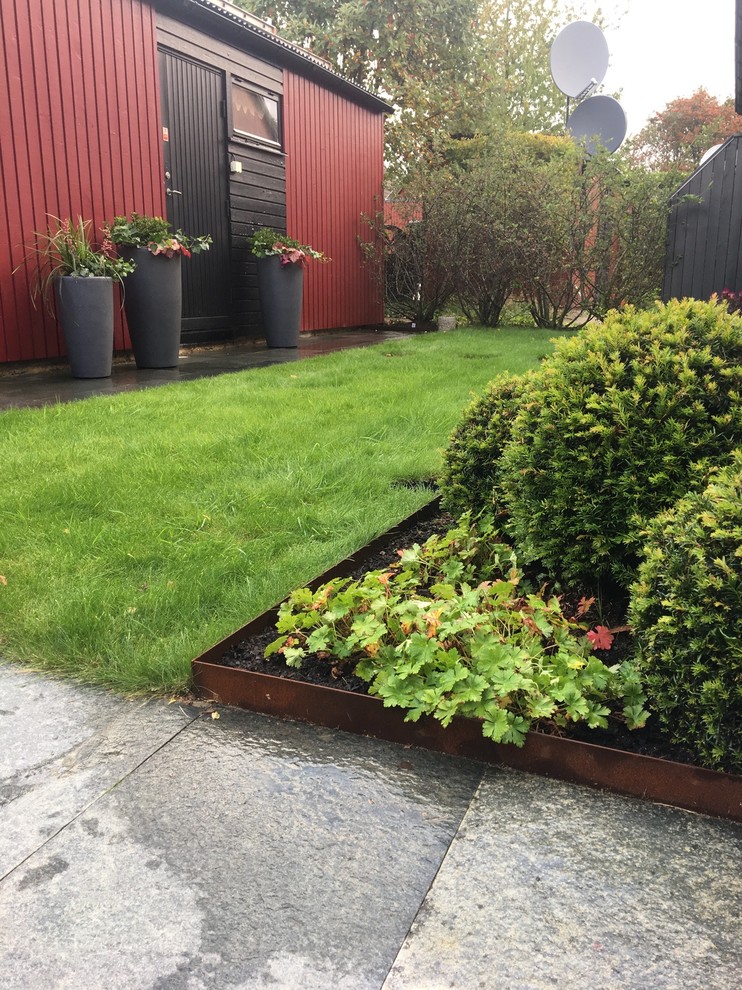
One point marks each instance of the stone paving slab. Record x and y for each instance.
(149, 846)
(550, 885)
(248, 853)
(62, 745)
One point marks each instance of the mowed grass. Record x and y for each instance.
(135, 531)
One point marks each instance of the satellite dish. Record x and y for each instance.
(599, 122)
(709, 154)
(579, 58)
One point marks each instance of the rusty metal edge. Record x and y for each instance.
(692, 788)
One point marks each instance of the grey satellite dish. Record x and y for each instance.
(579, 58)
(708, 154)
(599, 122)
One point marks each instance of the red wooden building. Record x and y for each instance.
(193, 110)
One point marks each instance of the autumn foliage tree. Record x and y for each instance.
(676, 137)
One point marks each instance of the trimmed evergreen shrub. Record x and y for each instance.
(687, 610)
(621, 421)
(471, 460)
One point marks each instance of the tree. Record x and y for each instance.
(469, 228)
(527, 216)
(378, 44)
(450, 67)
(623, 257)
(601, 238)
(498, 220)
(415, 53)
(513, 55)
(677, 137)
(563, 221)
(412, 253)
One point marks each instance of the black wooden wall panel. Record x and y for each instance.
(704, 231)
(254, 202)
(734, 218)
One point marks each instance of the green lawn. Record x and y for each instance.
(135, 531)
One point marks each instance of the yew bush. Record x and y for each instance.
(471, 462)
(620, 422)
(686, 608)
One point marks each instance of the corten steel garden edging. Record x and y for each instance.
(631, 774)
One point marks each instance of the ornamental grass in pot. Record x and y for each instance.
(80, 274)
(281, 264)
(153, 301)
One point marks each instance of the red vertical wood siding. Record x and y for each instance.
(334, 172)
(79, 135)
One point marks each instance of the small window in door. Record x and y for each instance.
(255, 115)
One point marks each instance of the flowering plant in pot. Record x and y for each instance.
(268, 243)
(281, 264)
(81, 274)
(153, 300)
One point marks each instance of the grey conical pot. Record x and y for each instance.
(85, 311)
(281, 288)
(153, 302)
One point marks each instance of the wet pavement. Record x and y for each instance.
(148, 845)
(29, 385)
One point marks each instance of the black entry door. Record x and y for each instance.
(194, 142)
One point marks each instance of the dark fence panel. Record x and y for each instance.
(705, 227)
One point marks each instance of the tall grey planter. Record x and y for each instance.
(281, 288)
(153, 301)
(85, 311)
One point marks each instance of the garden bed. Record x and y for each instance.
(234, 672)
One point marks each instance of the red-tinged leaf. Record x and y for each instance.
(601, 638)
(585, 604)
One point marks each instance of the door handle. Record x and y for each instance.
(173, 192)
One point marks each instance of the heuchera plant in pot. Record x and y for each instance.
(154, 299)
(281, 264)
(81, 274)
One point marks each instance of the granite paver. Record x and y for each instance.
(153, 847)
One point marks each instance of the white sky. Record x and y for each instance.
(667, 48)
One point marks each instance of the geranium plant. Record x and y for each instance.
(155, 234)
(66, 248)
(450, 630)
(267, 243)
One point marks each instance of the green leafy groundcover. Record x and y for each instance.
(454, 629)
